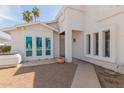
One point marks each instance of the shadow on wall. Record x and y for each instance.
(51, 75)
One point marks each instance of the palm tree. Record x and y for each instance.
(27, 16)
(36, 13)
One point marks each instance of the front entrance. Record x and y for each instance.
(77, 44)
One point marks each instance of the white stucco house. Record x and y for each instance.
(91, 33)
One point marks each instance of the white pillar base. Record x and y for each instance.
(69, 60)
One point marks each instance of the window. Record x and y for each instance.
(96, 43)
(88, 44)
(28, 46)
(48, 46)
(39, 46)
(107, 43)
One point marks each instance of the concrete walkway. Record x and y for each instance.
(85, 76)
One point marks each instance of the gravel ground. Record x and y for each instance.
(108, 78)
(41, 76)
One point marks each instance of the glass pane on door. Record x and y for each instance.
(28, 46)
(39, 46)
(48, 46)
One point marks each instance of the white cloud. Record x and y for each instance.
(6, 13)
(2, 17)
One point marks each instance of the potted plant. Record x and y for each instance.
(60, 60)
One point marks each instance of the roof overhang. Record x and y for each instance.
(52, 21)
(62, 33)
(28, 24)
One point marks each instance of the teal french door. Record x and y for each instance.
(28, 46)
(48, 46)
(39, 46)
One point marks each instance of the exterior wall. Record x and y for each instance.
(54, 25)
(78, 44)
(56, 44)
(19, 36)
(17, 42)
(71, 17)
(62, 22)
(75, 18)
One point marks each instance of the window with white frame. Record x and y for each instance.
(88, 37)
(106, 43)
(96, 43)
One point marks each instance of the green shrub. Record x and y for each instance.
(5, 49)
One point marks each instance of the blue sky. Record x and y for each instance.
(11, 15)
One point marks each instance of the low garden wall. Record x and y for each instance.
(10, 59)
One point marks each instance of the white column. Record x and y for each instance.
(68, 45)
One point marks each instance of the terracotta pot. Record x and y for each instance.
(60, 60)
